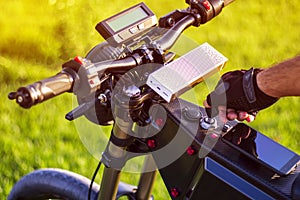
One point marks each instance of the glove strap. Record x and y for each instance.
(248, 86)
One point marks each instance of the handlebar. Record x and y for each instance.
(198, 13)
(45, 89)
(168, 40)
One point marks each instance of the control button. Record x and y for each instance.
(209, 120)
(207, 123)
(79, 60)
(206, 5)
(141, 26)
(133, 30)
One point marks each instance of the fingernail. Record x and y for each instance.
(250, 118)
(243, 115)
(231, 116)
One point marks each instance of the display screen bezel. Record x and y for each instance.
(107, 31)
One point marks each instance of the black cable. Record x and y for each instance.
(93, 179)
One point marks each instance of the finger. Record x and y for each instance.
(206, 105)
(250, 118)
(222, 113)
(231, 114)
(222, 108)
(242, 115)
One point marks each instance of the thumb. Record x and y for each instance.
(205, 104)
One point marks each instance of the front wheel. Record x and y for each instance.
(53, 184)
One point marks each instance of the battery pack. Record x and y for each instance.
(182, 74)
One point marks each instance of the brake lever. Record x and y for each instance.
(80, 110)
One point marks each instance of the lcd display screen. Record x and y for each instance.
(127, 19)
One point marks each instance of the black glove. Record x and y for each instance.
(238, 90)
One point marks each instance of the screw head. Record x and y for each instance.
(175, 192)
(191, 150)
(151, 143)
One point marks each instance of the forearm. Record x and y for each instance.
(282, 79)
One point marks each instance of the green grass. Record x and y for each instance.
(36, 37)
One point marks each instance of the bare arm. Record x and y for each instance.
(281, 80)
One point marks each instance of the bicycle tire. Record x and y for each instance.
(53, 183)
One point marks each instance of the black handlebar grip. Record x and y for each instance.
(42, 90)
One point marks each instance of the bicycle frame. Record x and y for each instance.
(223, 172)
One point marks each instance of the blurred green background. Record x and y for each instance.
(36, 37)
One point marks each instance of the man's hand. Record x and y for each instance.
(231, 114)
(237, 96)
